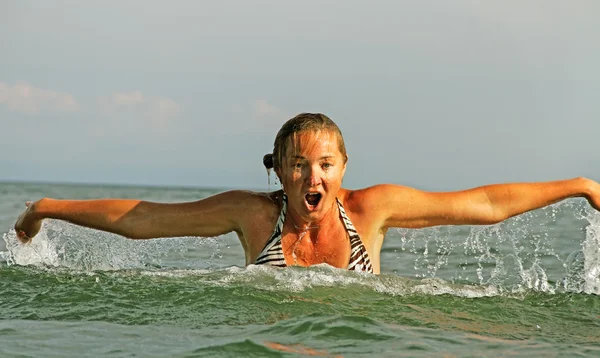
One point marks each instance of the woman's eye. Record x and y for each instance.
(327, 165)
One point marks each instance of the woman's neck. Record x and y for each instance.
(302, 225)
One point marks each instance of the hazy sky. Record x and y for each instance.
(434, 94)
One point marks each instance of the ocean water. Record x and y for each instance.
(529, 286)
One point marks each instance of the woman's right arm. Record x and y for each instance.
(137, 219)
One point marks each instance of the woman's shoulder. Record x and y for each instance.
(254, 199)
(368, 198)
(256, 213)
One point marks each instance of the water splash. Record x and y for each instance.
(269, 170)
(60, 244)
(39, 251)
(534, 251)
(591, 254)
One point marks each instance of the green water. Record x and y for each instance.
(527, 287)
(240, 311)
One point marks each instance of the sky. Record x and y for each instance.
(439, 95)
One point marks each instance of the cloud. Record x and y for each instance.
(136, 105)
(263, 109)
(256, 116)
(27, 99)
(260, 110)
(128, 98)
(134, 114)
(167, 108)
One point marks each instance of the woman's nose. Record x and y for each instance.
(314, 177)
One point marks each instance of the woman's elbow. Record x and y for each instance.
(489, 216)
(132, 229)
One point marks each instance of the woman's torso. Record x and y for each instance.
(330, 244)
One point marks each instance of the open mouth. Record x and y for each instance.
(313, 198)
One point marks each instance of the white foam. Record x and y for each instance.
(37, 252)
(591, 253)
(298, 279)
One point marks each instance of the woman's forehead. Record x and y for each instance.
(312, 142)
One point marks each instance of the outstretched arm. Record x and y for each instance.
(138, 219)
(399, 206)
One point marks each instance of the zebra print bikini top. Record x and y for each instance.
(272, 254)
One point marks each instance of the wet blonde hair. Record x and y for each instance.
(304, 122)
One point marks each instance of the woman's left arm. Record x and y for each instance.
(398, 206)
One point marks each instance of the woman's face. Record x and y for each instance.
(311, 173)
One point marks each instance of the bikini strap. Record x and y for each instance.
(359, 257)
(277, 231)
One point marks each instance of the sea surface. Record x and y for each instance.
(527, 287)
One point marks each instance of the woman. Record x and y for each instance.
(312, 220)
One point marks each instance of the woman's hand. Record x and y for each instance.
(594, 195)
(28, 224)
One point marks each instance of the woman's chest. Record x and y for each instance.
(313, 247)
